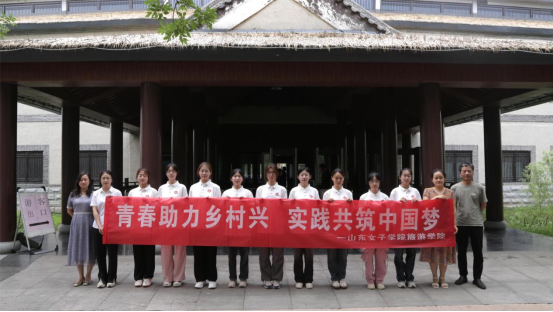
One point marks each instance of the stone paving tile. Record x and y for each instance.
(540, 273)
(495, 295)
(454, 295)
(534, 292)
(320, 297)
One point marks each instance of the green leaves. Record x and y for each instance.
(178, 25)
(5, 22)
(538, 177)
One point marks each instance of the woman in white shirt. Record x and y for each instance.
(377, 256)
(404, 269)
(271, 274)
(338, 258)
(304, 191)
(106, 276)
(172, 267)
(144, 255)
(238, 191)
(205, 257)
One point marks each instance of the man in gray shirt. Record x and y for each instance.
(470, 203)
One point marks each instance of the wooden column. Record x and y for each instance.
(389, 149)
(360, 158)
(432, 148)
(212, 131)
(70, 149)
(406, 150)
(150, 130)
(116, 154)
(8, 156)
(180, 140)
(494, 170)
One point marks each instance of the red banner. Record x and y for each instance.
(278, 223)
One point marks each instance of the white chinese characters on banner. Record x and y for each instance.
(147, 215)
(388, 218)
(259, 216)
(213, 217)
(296, 218)
(168, 216)
(125, 213)
(430, 218)
(320, 218)
(365, 219)
(235, 215)
(409, 219)
(192, 213)
(343, 218)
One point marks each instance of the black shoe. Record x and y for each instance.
(479, 284)
(462, 280)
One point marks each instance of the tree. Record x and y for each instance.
(179, 26)
(5, 22)
(538, 176)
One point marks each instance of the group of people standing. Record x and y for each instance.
(87, 248)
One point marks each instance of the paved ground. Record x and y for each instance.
(511, 277)
(516, 280)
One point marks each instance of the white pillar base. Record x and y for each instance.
(6, 247)
(64, 228)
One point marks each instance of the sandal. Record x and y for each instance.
(77, 284)
(443, 283)
(86, 283)
(435, 283)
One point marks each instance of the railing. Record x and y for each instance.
(414, 6)
(427, 7)
(514, 12)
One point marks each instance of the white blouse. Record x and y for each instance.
(172, 190)
(148, 191)
(300, 192)
(341, 194)
(99, 200)
(241, 192)
(400, 192)
(374, 197)
(208, 189)
(271, 191)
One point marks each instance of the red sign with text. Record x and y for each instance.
(252, 222)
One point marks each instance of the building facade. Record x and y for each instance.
(337, 83)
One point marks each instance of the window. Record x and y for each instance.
(93, 162)
(514, 163)
(29, 167)
(452, 161)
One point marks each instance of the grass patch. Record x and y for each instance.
(531, 219)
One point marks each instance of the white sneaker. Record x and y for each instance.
(232, 284)
(268, 285)
(167, 284)
(138, 283)
(147, 282)
(299, 285)
(177, 284)
(100, 284)
(199, 285)
(343, 284)
(335, 284)
(309, 285)
(110, 285)
(212, 285)
(276, 285)
(242, 284)
(411, 284)
(380, 286)
(371, 286)
(401, 284)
